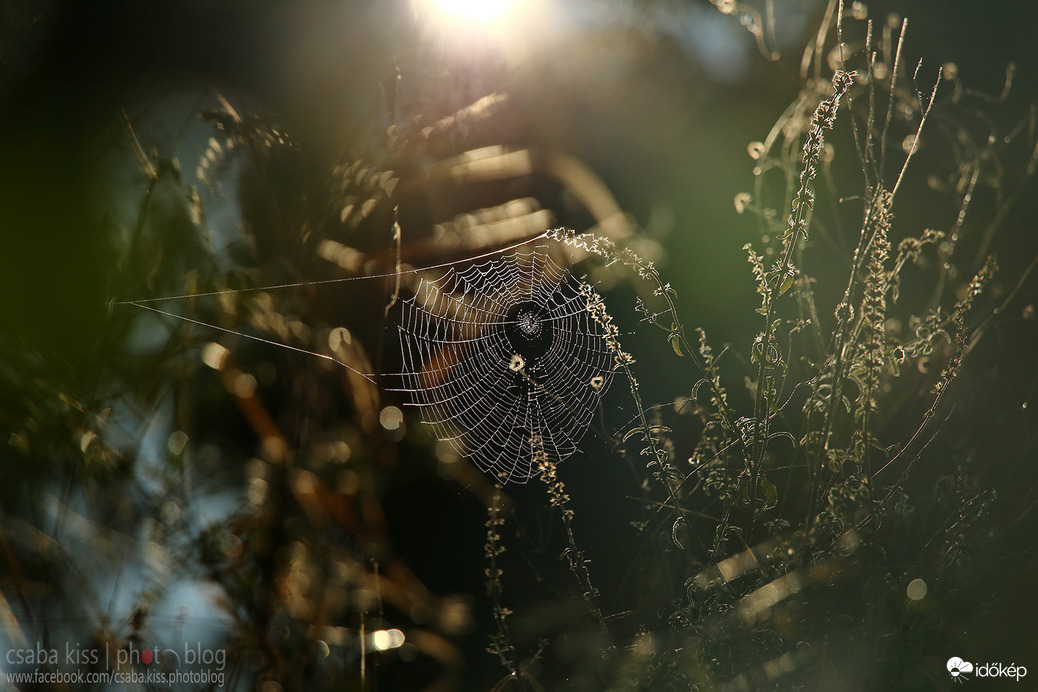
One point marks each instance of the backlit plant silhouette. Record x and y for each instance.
(413, 426)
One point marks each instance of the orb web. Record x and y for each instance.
(503, 353)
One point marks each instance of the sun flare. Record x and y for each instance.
(481, 10)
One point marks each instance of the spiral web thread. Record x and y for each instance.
(503, 357)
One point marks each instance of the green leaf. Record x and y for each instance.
(632, 432)
(744, 487)
(675, 342)
(770, 493)
(678, 524)
(785, 434)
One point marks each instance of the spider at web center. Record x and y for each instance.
(529, 324)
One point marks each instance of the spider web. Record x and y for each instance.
(501, 354)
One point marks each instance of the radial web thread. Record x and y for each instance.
(502, 353)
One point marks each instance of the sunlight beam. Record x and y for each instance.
(481, 10)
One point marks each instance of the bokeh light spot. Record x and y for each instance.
(383, 640)
(176, 442)
(391, 417)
